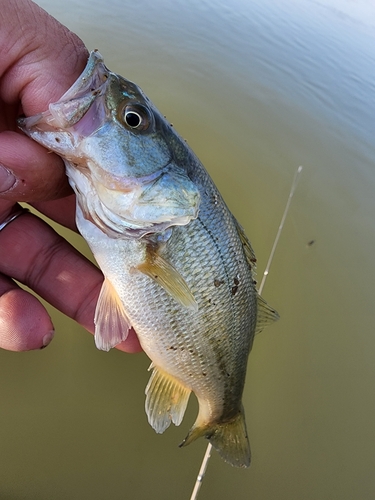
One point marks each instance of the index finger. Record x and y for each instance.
(38, 175)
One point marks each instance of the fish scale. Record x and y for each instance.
(177, 266)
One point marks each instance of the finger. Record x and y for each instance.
(131, 344)
(62, 211)
(34, 254)
(31, 173)
(24, 322)
(40, 58)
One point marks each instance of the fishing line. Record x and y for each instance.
(282, 222)
(207, 455)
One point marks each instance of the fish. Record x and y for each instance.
(177, 265)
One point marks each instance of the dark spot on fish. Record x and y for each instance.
(254, 282)
(253, 260)
(236, 282)
(227, 374)
(209, 301)
(57, 139)
(204, 374)
(310, 243)
(171, 124)
(218, 283)
(156, 276)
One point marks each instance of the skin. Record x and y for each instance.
(39, 60)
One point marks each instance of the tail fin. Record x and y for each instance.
(228, 438)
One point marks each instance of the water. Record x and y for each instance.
(257, 88)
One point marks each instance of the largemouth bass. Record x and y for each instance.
(177, 265)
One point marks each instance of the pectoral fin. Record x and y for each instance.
(166, 400)
(168, 278)
(111, 322)
(265, 316)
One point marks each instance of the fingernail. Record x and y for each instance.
(47, 338)
(7, 179)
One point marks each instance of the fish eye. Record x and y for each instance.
(136, 117)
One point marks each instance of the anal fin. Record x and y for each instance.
(166, 400)
(111, 322)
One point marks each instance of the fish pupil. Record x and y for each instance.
(133, 119)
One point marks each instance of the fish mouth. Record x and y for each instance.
(78, 114)
(85, 90)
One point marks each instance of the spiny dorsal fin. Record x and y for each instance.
(168, 278)
(248, 250)
(111, 322)
(265, 316)
(166, 400)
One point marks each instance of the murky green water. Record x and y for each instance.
(257, 87)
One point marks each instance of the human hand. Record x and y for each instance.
(39, 61)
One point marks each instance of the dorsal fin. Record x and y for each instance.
(247, 248)
(111, 322)
(166, 400)
(266, 315)
(163, 273)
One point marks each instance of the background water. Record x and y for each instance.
(257, 87)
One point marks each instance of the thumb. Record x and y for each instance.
(39, 57)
